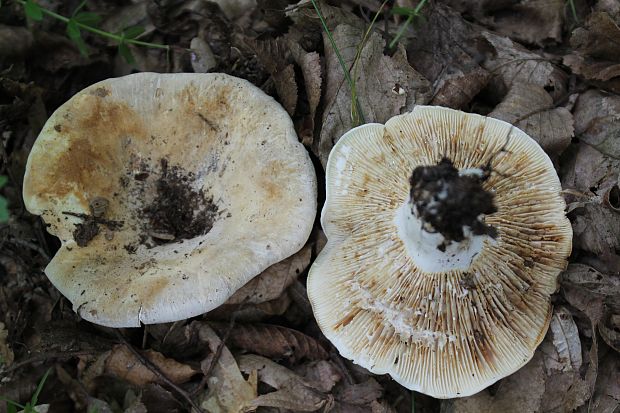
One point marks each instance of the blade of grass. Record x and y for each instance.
(347, 75)
(355, 116)
(414, 13)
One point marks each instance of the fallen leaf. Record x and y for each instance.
(275, 342)
(385, 85)
(202, 57)
(323, 373)
(596, 227)
(530, 107)
(381, 407)
(292, 391)
(565, 338)
(360, 393)
(310, 64)
(606, 398)
(454, 72)
(158, 399)
(124, 364)
(513, 64)
(597, 52)
(272, 282)
(524, 389)
(610, 332)
(530, 21)
(597, 121)
(14, 41)
(247, 313)
(229, 392)
(6, 354)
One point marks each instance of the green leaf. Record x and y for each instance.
(133, 32)
(4, 212)
(33, 10)
(403, 11)
(73, 32)
(87, 18)
(3, 180)
(11, 408)
(124, 51)
(35, 396)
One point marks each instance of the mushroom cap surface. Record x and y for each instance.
(218, 143)
(446, 333)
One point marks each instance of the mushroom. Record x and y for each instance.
(168, 192)
(446, 233)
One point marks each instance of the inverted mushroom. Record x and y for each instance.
(168, 193)
(446, 233)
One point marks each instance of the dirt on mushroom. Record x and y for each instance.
(179, 211)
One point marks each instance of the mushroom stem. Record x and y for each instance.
(448, 201)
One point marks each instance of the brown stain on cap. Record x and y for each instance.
(91, 133)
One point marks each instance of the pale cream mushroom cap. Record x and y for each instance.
(239, 145)
(447, 325)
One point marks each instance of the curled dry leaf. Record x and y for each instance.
(272, 282)
(384, 85)
(597, 121)
(246, 313)
(597, 51)
(292, 391)
(454, 72)
(565, 338)
(229, 392)
(511, 63)
(606, 398)
(273, 341)
(310, 64)
(596, 227)
(610, 332)
(530, 107)
(122, 363)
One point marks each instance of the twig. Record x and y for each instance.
(43, 358)
(149, 364)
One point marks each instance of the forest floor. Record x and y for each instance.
(551, 67)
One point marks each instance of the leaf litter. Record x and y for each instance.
(527, 62)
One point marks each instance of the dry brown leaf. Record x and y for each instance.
(596, 227)
(323, 373)
(272, 282)
(310, 64)
(252, 312)
(597, 121)
(6, 354)
(587, 279)
(611, 7)
(610, 332)
(292, 391)
(229, 392)
(381, 407)
(524, 389)
(531, 108)
(385, 86)
(202, 57)
(565, 339)
(273, 341)
(511, 63)
(454, 72)
(124, 364)
(360, 393)
(597, 51)
(606, 398)
(530, 21)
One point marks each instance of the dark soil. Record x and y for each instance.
(178, 212)
(448, 202)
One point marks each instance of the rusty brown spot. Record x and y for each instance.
(93, 153)
(347, 319)
(101, 92)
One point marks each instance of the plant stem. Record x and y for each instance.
(347, 75)
(406, 24)
(102, 33)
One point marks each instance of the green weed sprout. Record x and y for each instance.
(4, 204)
(30, 406)
(87, 21)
